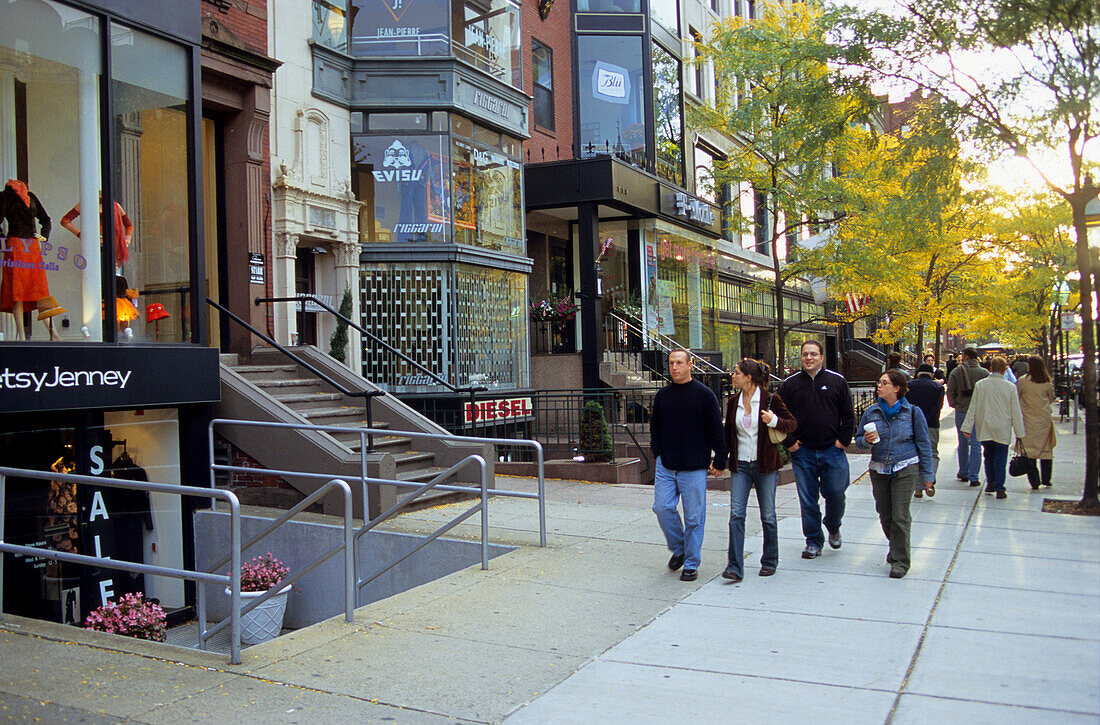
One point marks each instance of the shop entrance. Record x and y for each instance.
(305, 283)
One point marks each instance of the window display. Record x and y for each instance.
(51, 94)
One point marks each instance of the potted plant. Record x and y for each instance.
(131, 616)
(265, 621)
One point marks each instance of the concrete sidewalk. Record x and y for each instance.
(996, 621)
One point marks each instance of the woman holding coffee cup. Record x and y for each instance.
(901, 456)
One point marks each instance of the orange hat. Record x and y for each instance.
(48, 307)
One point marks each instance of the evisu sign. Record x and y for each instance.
(494, 410)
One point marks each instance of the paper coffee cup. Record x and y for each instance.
(872, 429)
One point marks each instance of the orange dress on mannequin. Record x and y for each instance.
(24, 280)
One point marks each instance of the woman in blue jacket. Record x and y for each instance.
(901, 457)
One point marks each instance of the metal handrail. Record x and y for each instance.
(366, 395)
(481, 506)
(364, 479)
(637, 445)
(347, 547)
(232, 579)
(471, 389)
(667, 344)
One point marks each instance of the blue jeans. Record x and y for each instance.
(970, 451)
(690, 487)
(821, 473)
(742, 479)
(996, 459)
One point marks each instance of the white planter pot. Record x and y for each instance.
(265, 621)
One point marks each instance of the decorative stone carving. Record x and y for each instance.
(286, 245)
(347, 255)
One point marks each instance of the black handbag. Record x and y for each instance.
(1018, 465)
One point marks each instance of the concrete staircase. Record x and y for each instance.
(274, 388)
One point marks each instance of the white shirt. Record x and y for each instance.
(748, 425)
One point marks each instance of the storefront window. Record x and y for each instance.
(488, 188)
(611, 93)
(50, 146)
(405, 181)
(415, 28)
(667, 117)
(491, 327)
(681, 288)
(83, 519)
(152, 263)
(609, 6)
(484, 34)
(50, 65)
(485, 343)
(330, 25)
(665, 12)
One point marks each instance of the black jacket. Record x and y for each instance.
(927, 394)
(686, 425)
(823, 407)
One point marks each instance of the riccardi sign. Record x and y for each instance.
(66, 377)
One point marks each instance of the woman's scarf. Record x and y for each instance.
(889, 410)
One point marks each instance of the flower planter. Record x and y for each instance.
(265, 621)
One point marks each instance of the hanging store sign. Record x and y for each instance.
(256, 268)
(68, 377)
(611, 83)
(494, 410)
(690, 209)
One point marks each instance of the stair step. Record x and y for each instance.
(420, 474)
(410, 458)
(288, 383)
(380, 442)
(246, 369)
(307, 397)
(349, 412)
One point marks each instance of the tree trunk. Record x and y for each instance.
(1077, 201)
(937, 347)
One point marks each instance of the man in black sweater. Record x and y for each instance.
(685, 427)
(822, 405)
(927, 394)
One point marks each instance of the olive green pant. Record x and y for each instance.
(893, 493)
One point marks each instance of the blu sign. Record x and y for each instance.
(611, 83)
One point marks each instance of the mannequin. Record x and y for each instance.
(124, 232)
(24, 279)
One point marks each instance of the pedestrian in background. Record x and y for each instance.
(951, 364)
(901, 460)
(1036, 391)
(960, 390)
(821, 403)
(685, 429)
(927, 394)
(994, 415)
(937, 374)
(754, 462)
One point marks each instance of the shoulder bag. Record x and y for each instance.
(775, 435)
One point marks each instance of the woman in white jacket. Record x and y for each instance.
(993, 417)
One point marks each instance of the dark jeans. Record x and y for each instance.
(1033, 475)
(818, 474)
(743, 478)
(996, 463)
(893, 493)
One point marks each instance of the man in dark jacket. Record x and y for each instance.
(927, 394)
(820, 402)
(685, 427)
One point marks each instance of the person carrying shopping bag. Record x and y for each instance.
(754, 462)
